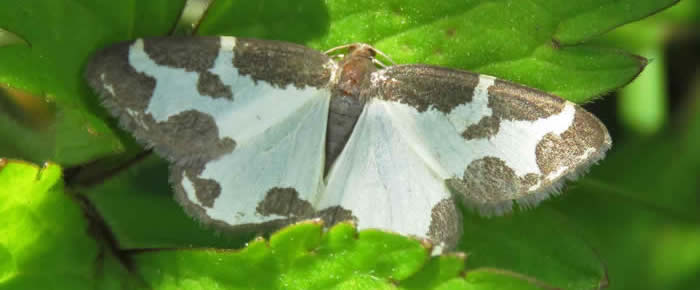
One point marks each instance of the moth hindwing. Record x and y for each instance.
(261, 134)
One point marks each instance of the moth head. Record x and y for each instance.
(358, 50)
(361, 50)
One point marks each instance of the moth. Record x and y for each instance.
(265, 133)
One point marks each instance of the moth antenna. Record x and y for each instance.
(384, 55)
(374, 60)
(339, 48)
(378, 62)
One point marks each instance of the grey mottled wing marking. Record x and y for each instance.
(242, 120)
(492, 141)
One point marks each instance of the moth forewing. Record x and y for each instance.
(243, 125)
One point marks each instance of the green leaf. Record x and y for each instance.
(29, 119)
(640, 210)
(437, 272)
(536, 43)
(527, 42)
(288, 20)
(302, 257)
(44, 241)
(643, 105)
(61, 36)
(297, 257)
(486, 278)
(587, 19)
(538, 243)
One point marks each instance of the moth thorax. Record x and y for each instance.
(355, 70)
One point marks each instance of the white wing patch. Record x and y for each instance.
(381, 179)
(287, 154)
(470, 113)
(279, 133)
(176, 88)
(438, 138)
(106, 85)
(176, 91)
(188, 186)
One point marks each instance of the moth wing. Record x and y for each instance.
(385, 184)
(242, 120)
(492, 142)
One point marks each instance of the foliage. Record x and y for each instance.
(632, 222)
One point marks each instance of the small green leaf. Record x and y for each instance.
(488, 278)
(302, 257)
(437, 272)
(298, 257)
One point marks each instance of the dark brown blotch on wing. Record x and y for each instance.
(211, 85)
(281, 63)
(279, 201)
(490, 180)
(511, 101)
(423, 86)
(487, 180)
(487, 127)
(565, 150)
(190, 139)
(194, 54)
(206, 190)
(285, 201)
(131, 89)
(445, 224)
(528, 181)
(334, 215)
